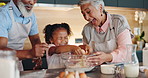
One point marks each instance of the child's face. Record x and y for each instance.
(60, 37)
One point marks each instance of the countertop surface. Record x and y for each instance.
(53, 73)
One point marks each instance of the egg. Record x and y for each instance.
(146, 72)
(62, 74)
(70, 75)
(83, 52)
(82, 75)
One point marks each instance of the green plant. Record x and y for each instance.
(140, 37)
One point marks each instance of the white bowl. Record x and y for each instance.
(108, 69)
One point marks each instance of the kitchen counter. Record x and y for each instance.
(53, 73)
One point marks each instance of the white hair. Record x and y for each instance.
(94, 3)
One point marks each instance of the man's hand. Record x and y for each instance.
(38, 50)
(38, 64)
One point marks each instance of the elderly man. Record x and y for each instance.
(17, 22)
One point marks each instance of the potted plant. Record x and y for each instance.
(139, 16)
(140, 40)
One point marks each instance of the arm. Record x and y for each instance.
(20, 54)
(122, 39)
(62, 49)
(119, 54)
(23, 54)
(34, 39)
(66, 48)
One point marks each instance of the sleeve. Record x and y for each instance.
(86, 33)
(84, 38)
(122, 24)
(47, 56)
(4, 24)
(34, 27)
(119, 54)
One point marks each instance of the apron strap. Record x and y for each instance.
(112, 28)
(11, 13)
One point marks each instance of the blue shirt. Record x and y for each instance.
(6, 22)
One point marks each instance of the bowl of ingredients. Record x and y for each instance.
(77, 62)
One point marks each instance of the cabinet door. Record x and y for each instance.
(110, 2)
(66, 1)
(130, 3)
(4, 0)
(146, 4)
(46, 1)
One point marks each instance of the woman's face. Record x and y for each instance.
(91, 14)
(60, 37)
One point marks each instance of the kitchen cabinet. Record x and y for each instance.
(107, 2)
(4, 1)
(115, 3)
(66, 1)
(46, 1)
(131, 3)
(145, 4)
(111, 3)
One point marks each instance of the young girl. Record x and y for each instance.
(56, 36)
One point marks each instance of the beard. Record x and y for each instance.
(23, 10)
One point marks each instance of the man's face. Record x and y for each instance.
(28, 4)
(25, 6)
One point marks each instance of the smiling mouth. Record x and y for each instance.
(92, 21)
(28, 8)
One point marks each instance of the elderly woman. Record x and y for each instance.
(106, 33)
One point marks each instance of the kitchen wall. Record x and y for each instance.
(75, 19)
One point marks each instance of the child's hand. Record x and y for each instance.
(86, 48)
(78, 51)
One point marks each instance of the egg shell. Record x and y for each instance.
(83, 52)
(82, 75)
(70, 75)
(146, 72)
(62, 74)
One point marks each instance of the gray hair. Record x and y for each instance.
(94, 3)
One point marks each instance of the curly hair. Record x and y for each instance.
(49, 29)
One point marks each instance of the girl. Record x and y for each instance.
(56, 36)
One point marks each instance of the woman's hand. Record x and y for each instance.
(100, 57)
